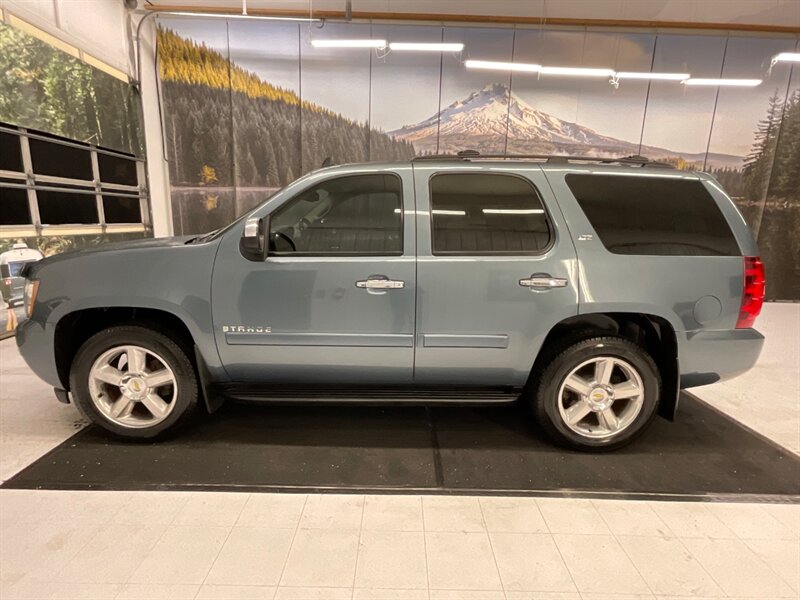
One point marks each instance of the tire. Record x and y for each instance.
(124, 403)
(558, 405)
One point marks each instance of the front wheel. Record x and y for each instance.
(598, 394)
(134, 382)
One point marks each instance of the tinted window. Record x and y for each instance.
(118, 209)
(10, 153)
(14, 209)
(359, 214)
(651, 215)
(61, 161)
(479, 213)
(66, 208)
(117, 169)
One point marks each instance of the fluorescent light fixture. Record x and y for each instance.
(786, 57)
(427, 46)
(512, 211)
(502, 66)
(577, 71)
(348, 43)
(458, 213)
(209, 15)
(724, 82)
(658, 76)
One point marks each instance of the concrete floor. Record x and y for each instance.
(70, 545)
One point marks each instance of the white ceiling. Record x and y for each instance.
(780, 13)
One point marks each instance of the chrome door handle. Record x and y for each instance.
(543, 282)
(380, 282)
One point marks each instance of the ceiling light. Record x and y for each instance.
(577, 71)
(428, 46)
(459, 213)
(726, 82)
(513, 211)
(348, 43)
(183, 13)
(502, 66)
(660, 76)
(786, 57)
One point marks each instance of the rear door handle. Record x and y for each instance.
(380, 282)
(543, 281)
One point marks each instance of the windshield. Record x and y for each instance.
(16, 266)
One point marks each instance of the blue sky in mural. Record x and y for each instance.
(404, 89)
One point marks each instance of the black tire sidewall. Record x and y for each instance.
(166, 348)
(547, 393)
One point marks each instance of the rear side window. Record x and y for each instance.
(653, 215)
(487, 213)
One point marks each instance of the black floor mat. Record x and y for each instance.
(449, 449)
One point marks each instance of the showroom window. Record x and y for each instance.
(653, 215)
(52, 185)
(487, 213)
(353, 215)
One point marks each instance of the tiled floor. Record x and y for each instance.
(208, 545)
(137, 545)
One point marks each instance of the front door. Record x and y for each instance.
(496, 271)
(333, 303)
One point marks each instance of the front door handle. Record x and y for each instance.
(543, 281)
(380, 282)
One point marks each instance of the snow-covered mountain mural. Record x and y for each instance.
(487, 115)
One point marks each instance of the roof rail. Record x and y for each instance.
(466, 155)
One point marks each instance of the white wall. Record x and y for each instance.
(157, 167)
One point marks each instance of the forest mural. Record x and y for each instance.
(249, 106)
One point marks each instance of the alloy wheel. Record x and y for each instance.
(601, 397)
(132, 386)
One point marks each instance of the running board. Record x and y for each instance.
(369, 395)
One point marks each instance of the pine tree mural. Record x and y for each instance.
(772, 176)
(272, 135)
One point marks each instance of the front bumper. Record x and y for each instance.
(36, 344)
(711, 356)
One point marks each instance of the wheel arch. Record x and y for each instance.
(653, 333)
(74, 328)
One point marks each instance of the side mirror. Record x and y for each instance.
(253, 244)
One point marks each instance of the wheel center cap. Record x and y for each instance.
(600, 398)
(134, 388)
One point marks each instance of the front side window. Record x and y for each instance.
(356, 214)
(653, 215)
(487, 213)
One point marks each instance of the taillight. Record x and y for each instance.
(752, 292)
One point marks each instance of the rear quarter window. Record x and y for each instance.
(653, 215)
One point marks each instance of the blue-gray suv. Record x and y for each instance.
(593, 289)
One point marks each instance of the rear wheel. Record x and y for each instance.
(134, 382)
(598, 394)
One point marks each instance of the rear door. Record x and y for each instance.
(496, 270)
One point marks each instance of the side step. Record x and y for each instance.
(369, 395)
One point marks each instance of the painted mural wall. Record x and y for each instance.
(251, 105)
